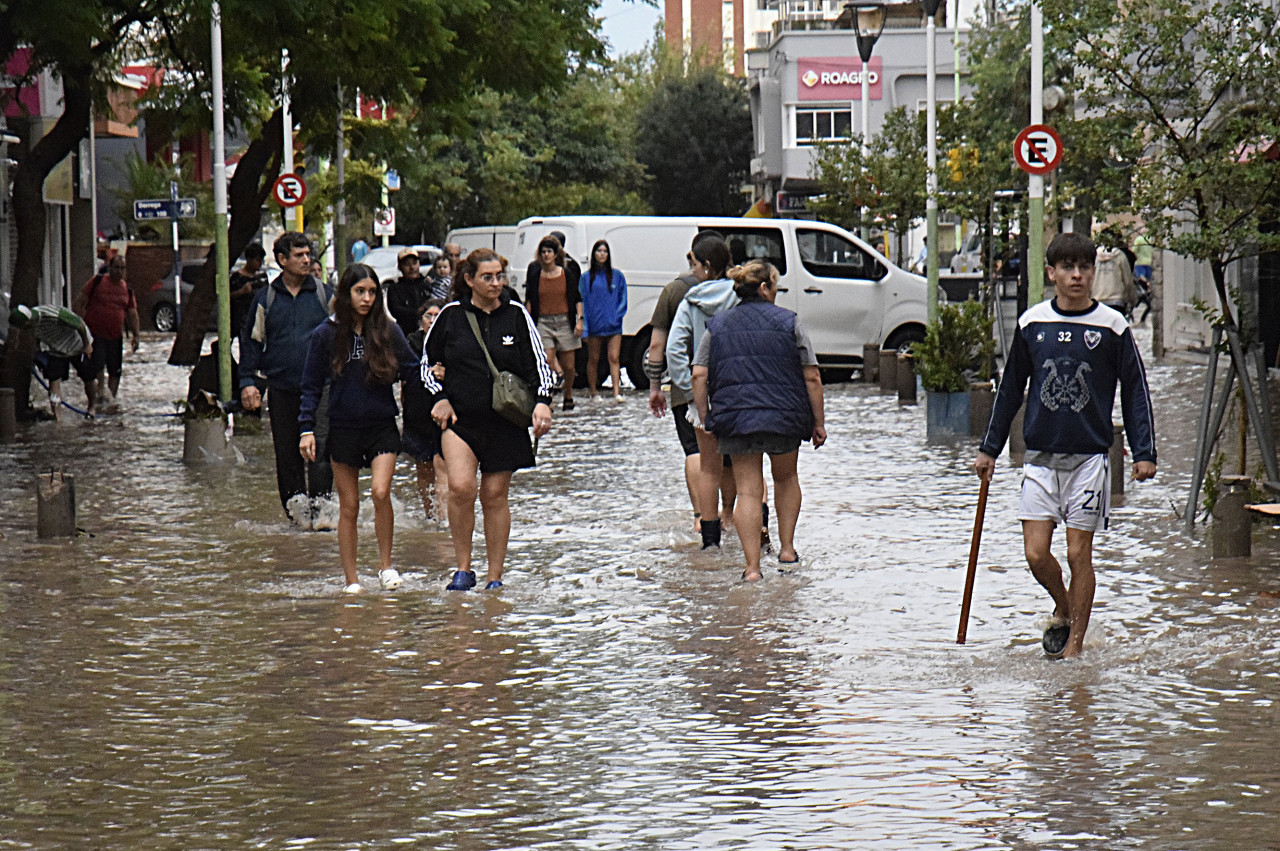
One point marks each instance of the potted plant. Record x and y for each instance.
(956, 351)
(204, 429)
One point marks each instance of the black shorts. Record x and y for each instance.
(357, 446)
(108, 353)
(684, 430)
(422, 444)
(499, 445)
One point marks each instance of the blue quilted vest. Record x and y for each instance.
(756, 382)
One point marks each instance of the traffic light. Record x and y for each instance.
(954, 164)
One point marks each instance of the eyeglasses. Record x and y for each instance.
(491, 278)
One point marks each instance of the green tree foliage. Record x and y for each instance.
(694, 139)
(151, 180)
(889, 182)
(1187, 96)
(956, 348)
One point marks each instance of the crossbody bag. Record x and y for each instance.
(513, 399)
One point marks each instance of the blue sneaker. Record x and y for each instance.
(463, 580)
(497, 583)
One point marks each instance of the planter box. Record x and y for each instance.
(204, 441)
(947, 417)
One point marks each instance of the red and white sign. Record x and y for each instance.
(384, 221)
(836, 78)
(1038, 149)
(289, 190)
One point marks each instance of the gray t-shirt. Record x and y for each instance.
(702, 356)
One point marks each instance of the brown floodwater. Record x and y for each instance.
(187, 673)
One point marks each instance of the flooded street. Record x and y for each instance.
(188, 674)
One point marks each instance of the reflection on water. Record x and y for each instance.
(190, 676)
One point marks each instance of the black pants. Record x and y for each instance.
(291, 470)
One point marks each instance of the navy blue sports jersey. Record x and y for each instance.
(1073, 361)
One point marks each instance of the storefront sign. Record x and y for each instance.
(836, 78)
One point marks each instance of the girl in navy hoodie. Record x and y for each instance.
(359, 352)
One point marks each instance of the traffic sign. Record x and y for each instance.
(384, 222)
(393, 180)
(289, 190)
(1038, 149)
(163, 208)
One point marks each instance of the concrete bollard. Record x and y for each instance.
(55, 505)
(888, 371)
(1232, 528)
(8, 416)
(981, 400)
(870, 363)
(1115, 459)
(906, 375)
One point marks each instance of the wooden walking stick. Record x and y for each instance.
(979, 515)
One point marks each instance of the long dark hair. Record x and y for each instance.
(461, 289)
(379, 352)
(606, 267)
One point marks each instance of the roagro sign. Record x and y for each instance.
(836, 78)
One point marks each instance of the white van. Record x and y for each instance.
(500, 238)
(847, 293)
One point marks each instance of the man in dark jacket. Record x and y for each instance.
(273, 350)
(406, 294)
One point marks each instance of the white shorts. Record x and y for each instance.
(1080, 498)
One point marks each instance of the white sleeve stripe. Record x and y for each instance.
(428, 377)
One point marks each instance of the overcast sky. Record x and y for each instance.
(627, 26)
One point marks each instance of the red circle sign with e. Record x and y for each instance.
(289, 190)
(1038, 149)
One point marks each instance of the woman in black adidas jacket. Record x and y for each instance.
(474, 436)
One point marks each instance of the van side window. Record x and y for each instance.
(755, 244)
(828, 255)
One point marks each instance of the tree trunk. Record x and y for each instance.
(29, 220)
(246, 193)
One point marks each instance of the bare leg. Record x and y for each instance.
(615, 364)
(570, 370)
(552, 361)
(462, 465)
(691, 483)
(749, 476)
(728, 493)
(384, 515)
(426, 484)
(114, 383)
(1080, 593)
(91, 391)
(1037, 540)
(442, 487)
(786, 502)
(494, 488)
(593, 365)
(55, 395)
(346, 481)
(710, 470)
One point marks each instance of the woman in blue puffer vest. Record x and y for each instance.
(757, 388)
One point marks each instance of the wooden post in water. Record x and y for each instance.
(1232, 527)
(888, 371)
(55, 505)
(906, 375)
(8, 416)
(870, 363)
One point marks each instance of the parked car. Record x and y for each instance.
(847, 293)
(161, 305)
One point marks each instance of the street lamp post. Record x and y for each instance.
(931, 178)
(868, 24)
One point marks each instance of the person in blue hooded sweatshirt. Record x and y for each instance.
(713, 295)
(757, 387)
(604, 304)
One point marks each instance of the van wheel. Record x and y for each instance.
(900, 341)
(635, 357)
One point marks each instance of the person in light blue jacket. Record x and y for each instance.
(712, 296)
(604, 303)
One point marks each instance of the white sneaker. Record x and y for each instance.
(620, 399)
(389, 578)
(353, 588)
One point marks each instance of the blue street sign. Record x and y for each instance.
(160, 208)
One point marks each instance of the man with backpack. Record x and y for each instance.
(273, 349)
(108, 306)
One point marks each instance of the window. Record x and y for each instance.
(823, 124)
(829, 255)
(755, 244)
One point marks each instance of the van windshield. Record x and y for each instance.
(828, 255)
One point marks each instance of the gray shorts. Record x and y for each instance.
(762, 443)
(556, 333)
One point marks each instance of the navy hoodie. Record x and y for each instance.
(353, 401)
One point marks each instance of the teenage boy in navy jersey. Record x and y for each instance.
(1073, 350)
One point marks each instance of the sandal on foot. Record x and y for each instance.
(1054, 640)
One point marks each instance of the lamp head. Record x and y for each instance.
(869, 21)
(931, 7)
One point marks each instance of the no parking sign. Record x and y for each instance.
(1038, 149)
